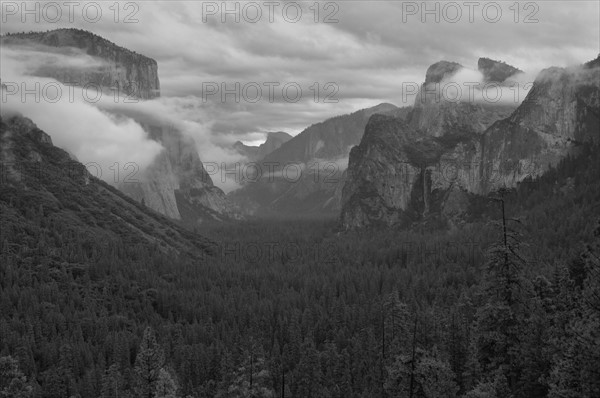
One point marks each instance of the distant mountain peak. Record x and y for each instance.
(273, 141)
(496, 71)
(384, 107)
(278, 135)
(438, 71)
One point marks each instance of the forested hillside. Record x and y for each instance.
(295, 309)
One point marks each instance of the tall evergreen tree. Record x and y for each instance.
(504, 306)
(148, 364)
(13, 384)
(576, 369)
(112, 383)
(165, 385)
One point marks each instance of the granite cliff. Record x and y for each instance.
(445, 152)
(304, 177)
(435, 114)
(176, 183)
(496, 71)
(119, 68)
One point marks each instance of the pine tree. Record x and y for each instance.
(112, 383)
(575, 372)
(165, 385)
(308, 373)
(504, 307)
(430, 377)
(148, 364)
(65, 368)
(497, 388)
(13, 384)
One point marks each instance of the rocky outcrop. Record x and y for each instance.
(331, 139)
(400, 172)
(305, 176)
(496, 71)
(436, 115)
(255, 153)
(440, 118)
(379, 174)
(441, 70)
(562, 104)
(117, 68)
(176, 183)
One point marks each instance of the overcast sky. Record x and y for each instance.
(368, 49)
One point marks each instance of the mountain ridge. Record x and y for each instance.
(403, 181)
(319, 155)
(35, 171)
(272, 142)
(176, 179)
(127, 71)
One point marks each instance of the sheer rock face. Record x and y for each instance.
(176, 183)
(121, 69)
(435, 115)
(379, 173)
(321, 151)
(563, 104)
(441, 70)
(331, 139)
(400, 171)
(496, 71)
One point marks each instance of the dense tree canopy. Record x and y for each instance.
(304, 310)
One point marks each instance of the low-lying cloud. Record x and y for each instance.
(80, 127)
(104, 129)
(469, 85)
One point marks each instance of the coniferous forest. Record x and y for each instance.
(506, 304)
